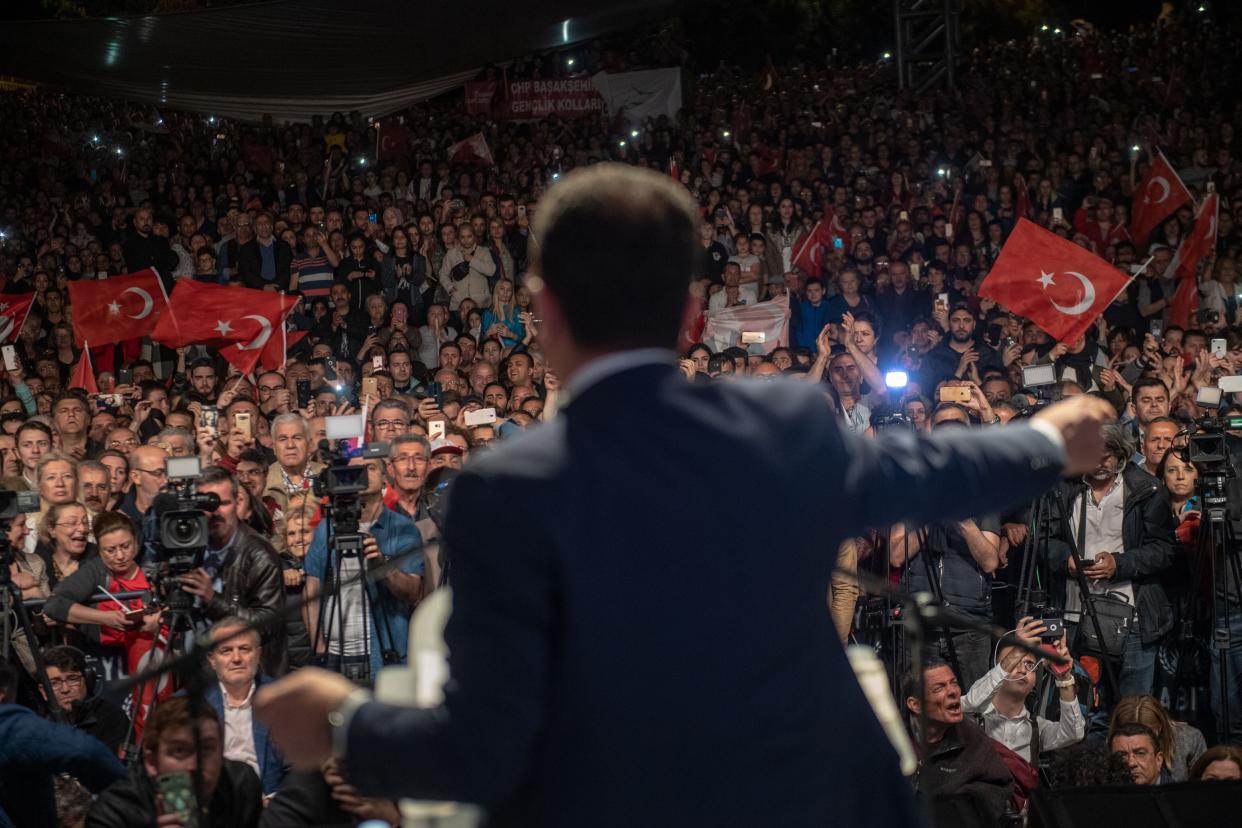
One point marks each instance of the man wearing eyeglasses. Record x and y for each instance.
(999, 698)
(147, 474)
(66, 672)
(274, 396)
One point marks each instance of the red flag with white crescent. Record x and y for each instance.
(117, 308)
(205, 313)
(14, 308)
(1061, 287)
(1161, 192)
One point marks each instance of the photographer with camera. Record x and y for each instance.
(240, 574)
(999, 700)
(354, 645)
(1123, 529)
(958, 561)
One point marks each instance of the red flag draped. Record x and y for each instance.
(1198, 244)
(115, 309)
(14, 309)
(1058, 285)
(1161, 192)
(83, 375)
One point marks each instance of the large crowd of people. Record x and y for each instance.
(414, 294)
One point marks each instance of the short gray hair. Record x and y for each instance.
(291, 417)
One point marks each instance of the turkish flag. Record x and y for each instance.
(393, 142)
(13, 312)
(1200, 243)
(808, 256)
(83, 375)
(1161, 192)
(271, 356)
(117, 308)
(469, 150)
(203, 313)
(1058, 285)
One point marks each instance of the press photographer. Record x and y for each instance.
(360, 629)
(240, 573)
(1122, 526)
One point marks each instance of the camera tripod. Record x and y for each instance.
(11, 607)
(1038, 537)
(177, 618)
(347, 564)
(1216, 551)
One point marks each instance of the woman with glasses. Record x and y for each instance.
(111, 625)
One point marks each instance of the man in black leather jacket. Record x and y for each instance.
(241, 574)
(1139, 567)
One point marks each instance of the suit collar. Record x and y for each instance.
(601, 368)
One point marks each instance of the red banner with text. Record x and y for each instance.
(522, 100)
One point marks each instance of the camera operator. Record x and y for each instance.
(93, 714)
(240, 574)
(964, 556)
(999, 699)
(391, 599)
(1123, 528)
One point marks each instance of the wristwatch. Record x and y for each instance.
(340, 718)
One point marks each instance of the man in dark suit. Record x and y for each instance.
(622, 654)
(265, 260)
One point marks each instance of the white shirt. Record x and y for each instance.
(1015, 733)
(239, 730)
(1103, 533)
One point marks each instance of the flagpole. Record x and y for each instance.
(284, 337)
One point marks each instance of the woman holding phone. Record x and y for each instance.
(116, 627)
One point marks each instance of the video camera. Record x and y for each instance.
(180, 530)
(343, 483)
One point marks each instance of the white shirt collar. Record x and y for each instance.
(245, 705)
(607, 365)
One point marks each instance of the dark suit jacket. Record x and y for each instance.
(271, 766)
(250, 265)
(628, 650)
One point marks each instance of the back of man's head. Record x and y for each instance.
(612, 237)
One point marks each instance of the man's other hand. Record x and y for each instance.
(296, 710)
(1080, 420)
